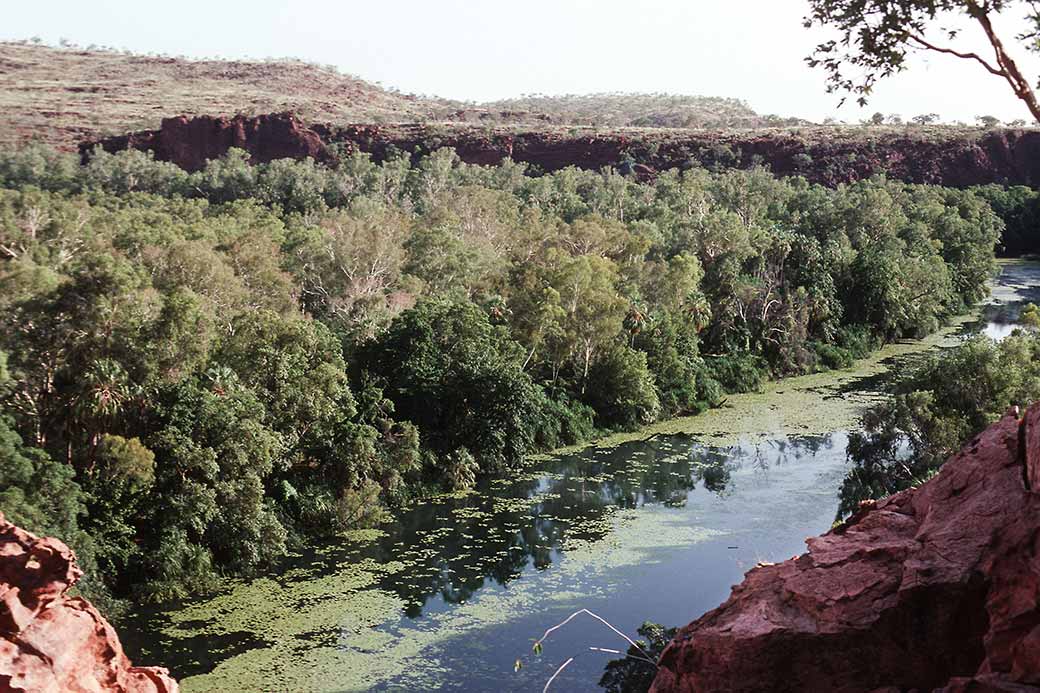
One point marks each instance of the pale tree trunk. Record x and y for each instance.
(1006, 68)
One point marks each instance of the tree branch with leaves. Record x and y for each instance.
(876, 36)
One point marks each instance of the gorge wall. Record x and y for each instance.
(956, 157)
(51, 642)
(933, 589)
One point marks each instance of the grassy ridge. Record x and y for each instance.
(66, 95)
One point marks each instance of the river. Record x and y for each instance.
(651, 526)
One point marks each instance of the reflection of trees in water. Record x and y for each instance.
(1016, 286)
(455, 547)
(714, 466)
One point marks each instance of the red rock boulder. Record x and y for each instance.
(53, 643)
(933, 589)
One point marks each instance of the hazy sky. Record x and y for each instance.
(487, 49)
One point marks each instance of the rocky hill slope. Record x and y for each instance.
(51, 642)
(934, 589)
(65, 95)
(955, 157)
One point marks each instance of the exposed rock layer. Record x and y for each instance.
(53, 643)
(933, 589)
(190, 142)
(946, 156)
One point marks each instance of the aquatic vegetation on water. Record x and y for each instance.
(812, 404)
(362, 639)
(455, 578)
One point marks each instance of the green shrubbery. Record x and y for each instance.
(1019, 207)
(935, 410)
(205, 368)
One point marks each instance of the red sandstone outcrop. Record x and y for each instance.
(190, 142)
(933, 589)
(944, 156)
(53, 643)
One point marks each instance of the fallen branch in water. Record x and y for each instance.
(537, 647)
(557, 673)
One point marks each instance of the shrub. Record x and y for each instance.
(621, 389)
(738, 372)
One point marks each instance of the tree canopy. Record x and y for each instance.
(203, 369)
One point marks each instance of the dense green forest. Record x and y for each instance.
(199, 371)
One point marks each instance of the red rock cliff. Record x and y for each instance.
(190, 142)
(943, 156)
(934, 589)
(53, 643)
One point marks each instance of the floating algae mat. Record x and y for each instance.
(653, 526)
(452, 592)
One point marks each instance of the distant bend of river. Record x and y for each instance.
(654, 526)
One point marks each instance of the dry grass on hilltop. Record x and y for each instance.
(65, 95)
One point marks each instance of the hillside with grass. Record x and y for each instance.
(63, 96)
(66, 95)
(642, 110)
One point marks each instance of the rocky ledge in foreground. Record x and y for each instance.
(53, 643)
(933, 589)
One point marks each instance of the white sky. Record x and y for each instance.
(488, 49)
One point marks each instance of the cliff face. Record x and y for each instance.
(935, 588)
(946, 156)
(190, 142)
(53, 643)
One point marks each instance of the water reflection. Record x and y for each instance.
(760, 498)
(457, 549)
(1017, 284)
(455, 546)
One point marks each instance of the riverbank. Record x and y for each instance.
(656, 525)
(817, 403)
(382, 609)
(814, 404)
